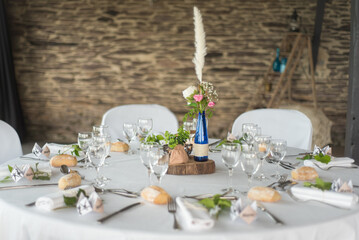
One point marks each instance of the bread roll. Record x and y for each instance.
(264, 194)
(70, 180)
(304, 174)
(63, 159)
(119, 147)
(155, 195)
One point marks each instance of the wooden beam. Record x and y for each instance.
(319, 15)
(352, 128)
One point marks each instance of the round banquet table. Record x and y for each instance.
(303, 220)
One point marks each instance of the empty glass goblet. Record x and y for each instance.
(249, 162)
(191, 128)
(129, 131)
(97, 156)
(230, 157)
(145, 126)
(84, 140)
(278, 150)
(146, 150)
(100, 130)
(261, 147)
(159, 162)
(249, 131)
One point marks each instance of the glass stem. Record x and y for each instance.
(230, 179)
(249, 181)
(97, 174)
(149, 176)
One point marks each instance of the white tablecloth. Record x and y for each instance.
(302, 220)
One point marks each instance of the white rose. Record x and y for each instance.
(189, 91)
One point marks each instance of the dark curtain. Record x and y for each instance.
(10, 109)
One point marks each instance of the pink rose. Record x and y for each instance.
(198, 97)
(211, 104)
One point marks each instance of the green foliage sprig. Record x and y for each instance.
(216, 204)
(72, 201)
(320, 184)
(171, 139)
(75, 150)
(320, 158)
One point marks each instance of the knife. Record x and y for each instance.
(274, 218)
(101, 220)
(28, 186)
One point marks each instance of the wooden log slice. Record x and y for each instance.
(192, 168)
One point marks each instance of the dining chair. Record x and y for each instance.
(163, 119)
(10, 145)
(291, 125)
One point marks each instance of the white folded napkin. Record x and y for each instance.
(56, 200)
(340, 199)
(339, 162)
(44, 167)
(193, 216)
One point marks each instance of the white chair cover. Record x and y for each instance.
(10, 145)
(291, 125)
(163, 118)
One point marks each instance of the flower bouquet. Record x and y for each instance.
(203, 97)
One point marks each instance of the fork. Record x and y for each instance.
(172, 208)
(327, 168)
(282, 179)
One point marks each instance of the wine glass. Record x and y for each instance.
(159, 161)
(84, 140)
(278, 150)
(145, 126)
(191, 128)
(249, 162)
(261, 147)
(100, 130)
(97, 156)
(145, 155)
(249, 131)
(230, 157)
(130, 130)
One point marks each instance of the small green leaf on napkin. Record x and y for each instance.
(76, 150)
(6, 179)
(10, 168)
(306, 157)
(320, 184)
(40, 175)
(322, 158)
(70, 201)
(216, 204)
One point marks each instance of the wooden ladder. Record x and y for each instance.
(292, 46)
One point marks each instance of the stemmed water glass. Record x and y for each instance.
(159, 161)
(191, 128)
(261, 147)
(100, 130)
(144, 126)
(249, 162)
(97, 155)
(249, 131)
(130, 130)
(278, 150)
(84, 140)
(230, 157)
(146, 150)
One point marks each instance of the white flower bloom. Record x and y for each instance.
(189, 91)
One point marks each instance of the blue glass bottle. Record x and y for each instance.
(201, 139)
(276, 63)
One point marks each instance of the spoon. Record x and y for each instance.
(66, 170)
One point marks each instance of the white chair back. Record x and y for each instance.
(291, 125)
(163, 118)
(10, 145)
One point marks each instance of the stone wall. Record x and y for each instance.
(75, 59)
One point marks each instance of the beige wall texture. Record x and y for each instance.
(75, 59)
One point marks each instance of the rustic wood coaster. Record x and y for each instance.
(192, 167)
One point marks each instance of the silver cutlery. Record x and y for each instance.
(102, 220)
(172, 208)
(281, 179)
(327, 168)
(28, 186)
(291, 195)
(120, 191)
(265, 210)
